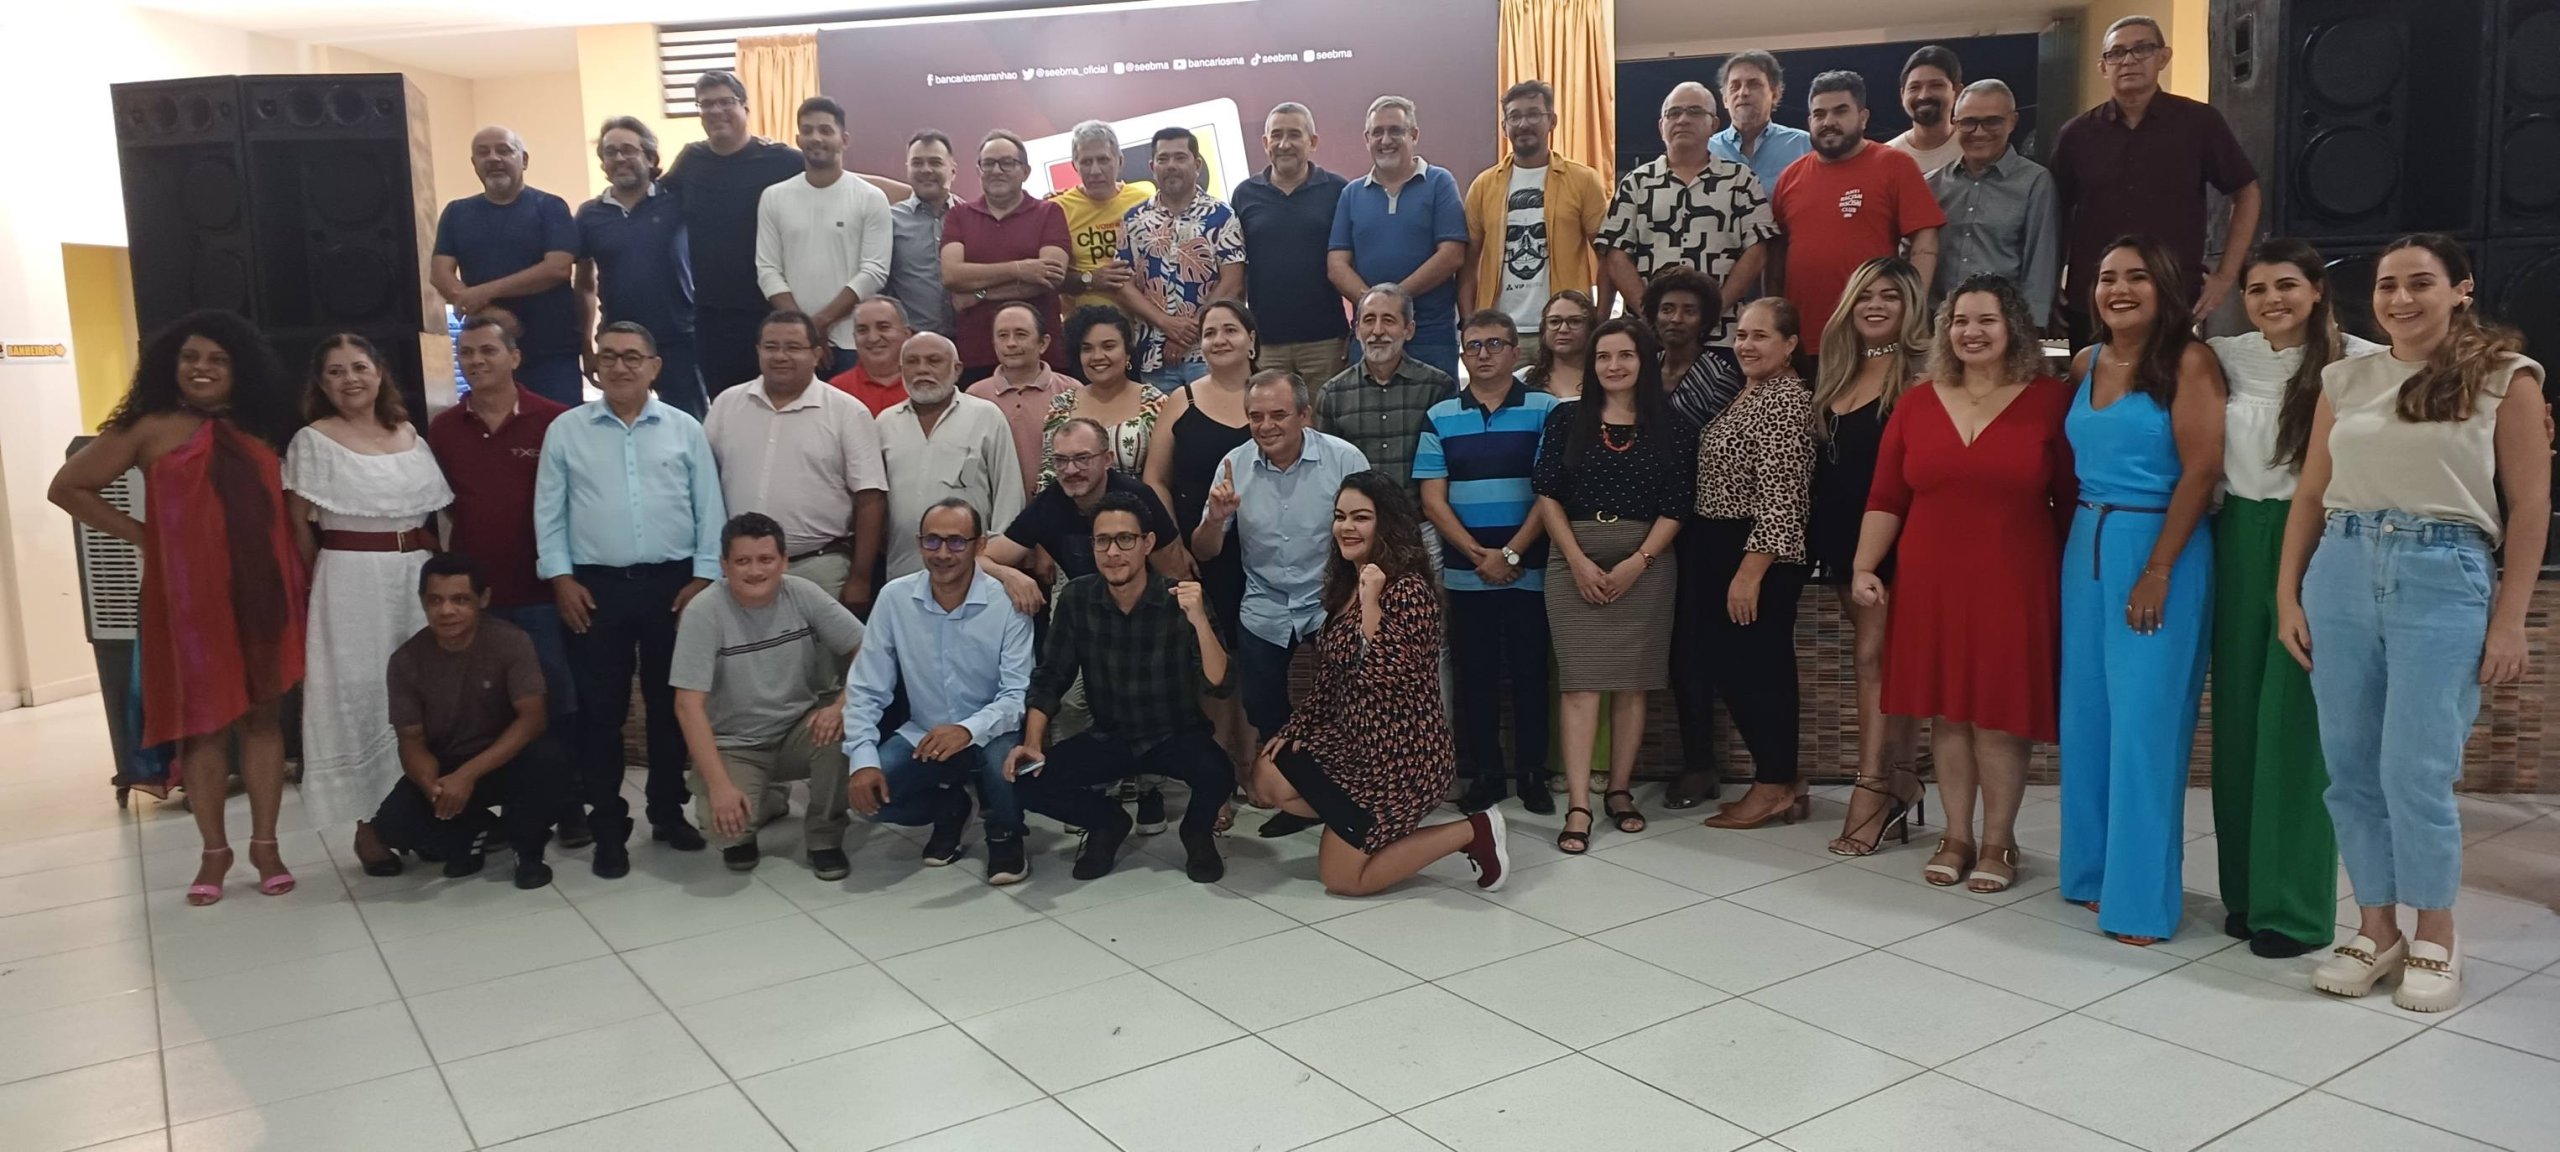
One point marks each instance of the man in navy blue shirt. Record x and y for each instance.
(1287, 214)
(636, 267)
(516, 247)
(718, 180)
(1404, 223)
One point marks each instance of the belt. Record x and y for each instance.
(2098, 537)
(842, 545)
(405, 540)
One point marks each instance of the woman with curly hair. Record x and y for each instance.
(1368, 751)
(223, 585)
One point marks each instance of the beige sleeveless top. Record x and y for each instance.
(2442, 471)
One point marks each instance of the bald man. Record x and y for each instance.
(1689, 207)
(941, 442)
(516, 247)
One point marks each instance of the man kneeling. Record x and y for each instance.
(467, 701)
(1146, 651)
(757, 659)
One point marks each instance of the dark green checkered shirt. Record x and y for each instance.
(1142, 673)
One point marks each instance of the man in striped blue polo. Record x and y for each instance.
(1474, 461)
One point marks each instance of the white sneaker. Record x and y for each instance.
(2355, 966)
(2432, 981)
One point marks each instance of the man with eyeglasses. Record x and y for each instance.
(718, 181)
(627, 515)
(2140, 163)
(1477, 454)
(1005, 245)
(941, 443)
(822, 238)
(1403, 223)
(635, 266)
(808, 456)
(1688, 207)
(1380, 404)
(1145, 651)
(1754, 85)
(1287, 214)
(516, 247)
(1531, 219)
(945, 638)
(915, 249)
(1187, 250)
(2001, 215)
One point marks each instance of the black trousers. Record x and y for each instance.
(1496, 634)
(1064, 791)
(1751, 667)
(724, 346)
(534, 789)
(632, 630)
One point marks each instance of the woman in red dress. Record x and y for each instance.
(1368, 751)
(223, 584)
(1974, 482)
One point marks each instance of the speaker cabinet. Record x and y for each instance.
(2525, 152)
(186, 199)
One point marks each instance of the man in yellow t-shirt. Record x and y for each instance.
(1094, 210)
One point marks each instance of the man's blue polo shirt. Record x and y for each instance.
(491, 241)
(644, 270)
(1390, 236)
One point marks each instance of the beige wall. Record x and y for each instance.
(618, 76)
(544, 109)
(2185, 21)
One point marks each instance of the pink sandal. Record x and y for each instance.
(202, 895)
(281, 882)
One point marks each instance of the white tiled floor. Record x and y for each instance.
(1685, 990)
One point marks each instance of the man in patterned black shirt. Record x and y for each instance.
(1689, 206)
(1147, 651)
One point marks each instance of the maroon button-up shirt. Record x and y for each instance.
(491, 474)
(2112, 178)
(985, 239)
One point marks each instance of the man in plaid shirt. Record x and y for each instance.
(1146, 651)
(1382, 403)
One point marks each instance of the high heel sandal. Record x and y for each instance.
(1984, 880)
(1798, 807)
(1947, 866)
(282, 881)
(1623, 818)
(1897, 819)
(1573, 843)
(204, 895)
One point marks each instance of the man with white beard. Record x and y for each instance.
(941, 442)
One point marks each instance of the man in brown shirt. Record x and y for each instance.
(467, 701)
(2140, 163)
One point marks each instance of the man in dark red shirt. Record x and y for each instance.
(2140, 163)
(490, 446)
(1005, 245)
(880, 328)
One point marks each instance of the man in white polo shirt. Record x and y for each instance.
(806, 455)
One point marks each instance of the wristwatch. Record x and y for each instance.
(1510, 557)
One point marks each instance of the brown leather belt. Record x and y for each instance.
(406, 540)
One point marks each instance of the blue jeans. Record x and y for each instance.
(916, 786)
(2399, 613)
(1262, 678)
(1184, 372)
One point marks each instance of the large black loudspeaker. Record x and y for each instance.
(186, 198)
(2525, 124)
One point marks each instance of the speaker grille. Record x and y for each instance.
(2527, 153)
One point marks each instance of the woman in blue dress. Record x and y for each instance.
(2137, 591)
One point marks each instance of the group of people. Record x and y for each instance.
(1090, 470)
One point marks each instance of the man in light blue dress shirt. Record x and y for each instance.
(626, 525)
(954, 641)
(1753, 85)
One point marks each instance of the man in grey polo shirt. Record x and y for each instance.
(2001, 215)
(915, 230)
(757, 657)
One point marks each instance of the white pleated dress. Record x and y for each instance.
(363, 605)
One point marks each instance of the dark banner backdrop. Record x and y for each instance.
(1216, 68)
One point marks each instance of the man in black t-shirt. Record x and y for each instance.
(1059, 519)
(718, 180)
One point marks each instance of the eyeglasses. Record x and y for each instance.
(1005, 164)
(783, 349)
(621, 152)
(1078, 460)
(1117, 541)
(1568, 322)
(1525, 119)
(1481, 347)
(1389, 132)
(945, 543)
(1981, 123)
(719, 104)
(2142, 51)
(630, 359)
(1687, 112)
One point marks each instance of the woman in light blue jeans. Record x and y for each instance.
(2386, 594)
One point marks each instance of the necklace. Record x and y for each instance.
(1609, 439)
(1880, 350)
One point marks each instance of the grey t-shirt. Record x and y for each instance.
(764, 668)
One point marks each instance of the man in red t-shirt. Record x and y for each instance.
(880, 328)
(1005, 245)
(1848, 201)
(490, 446)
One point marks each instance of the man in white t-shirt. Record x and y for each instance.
(1531, 219)
(1930, 80)
(823, 240)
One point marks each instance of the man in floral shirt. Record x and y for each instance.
(1187, 250)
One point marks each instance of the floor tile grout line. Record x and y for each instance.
(159, 1025)
(407, 1009)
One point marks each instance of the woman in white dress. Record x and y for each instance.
(361, 485)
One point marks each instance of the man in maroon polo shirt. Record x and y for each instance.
(1005, 245)
(490, 446)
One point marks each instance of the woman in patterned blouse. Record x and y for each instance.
(1100, 339)
(1368, 750)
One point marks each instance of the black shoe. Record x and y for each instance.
(387, 866)
(1201, 859)
(2236, 926)
(1005, 862)
(1534, 797)
(613, 859)
(2278, 946)
(1101, 849)
(829, 863)
(574, 833)
(532, 874)
(1286, 824)
(462, 864)
(741, 857)
(678, 835)
(1150, 812)
(1482, 793)
(944, 846)
(1690, 789)
(429, 856)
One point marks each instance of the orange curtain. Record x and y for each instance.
(1571, 44)
(780, 72)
